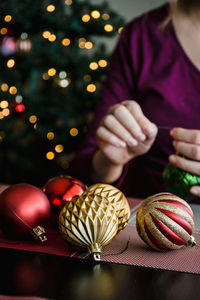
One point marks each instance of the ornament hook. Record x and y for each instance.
(39, 233)
(95, 252)
(191, 242)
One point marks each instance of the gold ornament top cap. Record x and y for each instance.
(191, 242)
(39, 233)
(95, 251)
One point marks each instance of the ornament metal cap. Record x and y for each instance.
(39, 233)
(95, 252)
(191, 242)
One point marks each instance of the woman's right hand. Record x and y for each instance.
(125, 133)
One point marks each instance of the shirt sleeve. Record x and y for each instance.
(119, 86)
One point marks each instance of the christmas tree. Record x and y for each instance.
(51, 72)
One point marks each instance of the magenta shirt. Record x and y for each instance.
(149, 66)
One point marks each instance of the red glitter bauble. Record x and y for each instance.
(24, 208)
(165, 222)
(61, 189)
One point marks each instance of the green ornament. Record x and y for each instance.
(179, 182)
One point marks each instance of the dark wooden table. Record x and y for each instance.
(25, 273)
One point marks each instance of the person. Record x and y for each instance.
(148, 112)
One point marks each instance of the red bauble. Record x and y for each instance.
(23, 209)
(3, 188)
(61, 189)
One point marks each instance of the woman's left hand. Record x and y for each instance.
(187, 143)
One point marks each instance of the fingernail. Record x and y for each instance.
(194, 190)
(132, 142)
(141, 137)
(121, 144)
(171, 132)
(172, 158)
(149, 130)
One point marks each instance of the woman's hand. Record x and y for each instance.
(187, 143)
(125, 133)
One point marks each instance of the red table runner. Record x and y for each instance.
(125, 248)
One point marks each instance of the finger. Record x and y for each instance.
(185, 164)
(114, 126)
(191, 136)
(195, 190)
(190, 150)
(105, 135)
(128, 121)
(148, 128)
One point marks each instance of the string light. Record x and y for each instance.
(13, 90)
(91, 88)
(24, 35)
(102, 63)
(5, 112)
(50, 8)
(62, 74)
(64, 83)
(35, 126)
(4, 87)
(18, 99)
(50, 135)
(86, 18)
(4, 104)
(59, 148)
(52, 38)
(105, 17)
(87, 78)
(66, 42)
(32, 119)
(45, 76)
(10, 63)
(93, 66)
(95, 14)
(88, 45)
(50, 155)
(108, 27)
(81, 44)
(68, 2)
(73, 131)
(19, 108)
(120, 29)
(46, 34)
(82, 40)
(52, 72)
(3, 31)
(7, 18)
(1, 115)
(1, 138)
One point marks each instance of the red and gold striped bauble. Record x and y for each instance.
(165, 222)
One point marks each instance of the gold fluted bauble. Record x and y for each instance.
(113, 194)
(165, 222)
(89, 221)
